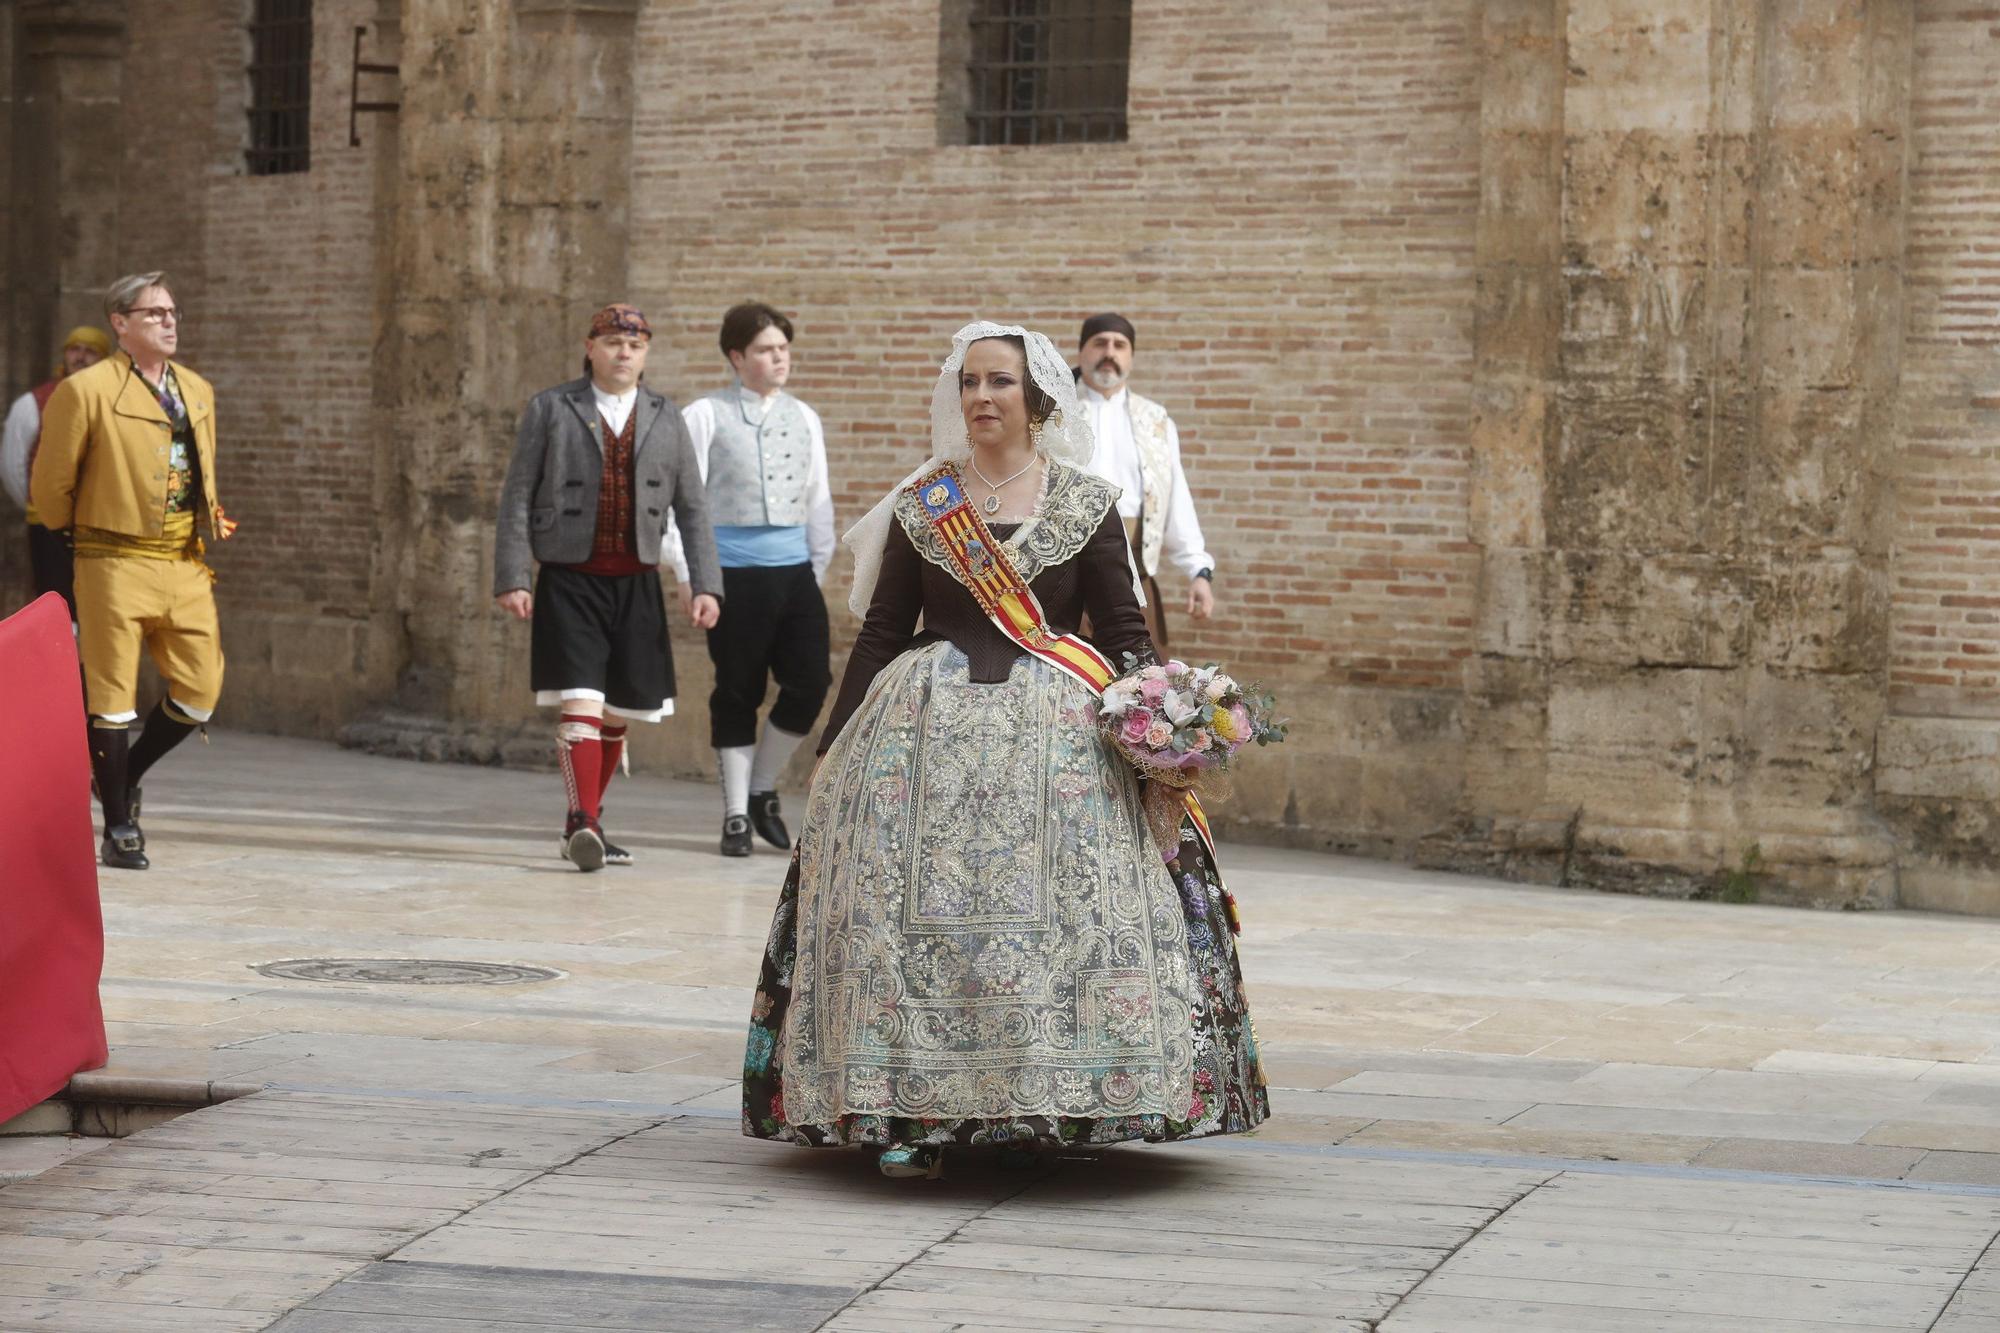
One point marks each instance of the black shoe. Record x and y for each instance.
(614, 855)
(735, 836)
(124, 848)
(764, 818)
(583, 842)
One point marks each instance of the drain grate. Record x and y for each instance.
(407, 971)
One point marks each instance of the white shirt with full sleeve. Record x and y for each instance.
(1117, 461)
(17, 441)
(700, 418)
(615, 408)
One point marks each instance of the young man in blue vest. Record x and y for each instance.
(762, 454)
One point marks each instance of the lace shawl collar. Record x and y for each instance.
(1071, 511)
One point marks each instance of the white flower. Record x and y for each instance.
(1179, 708)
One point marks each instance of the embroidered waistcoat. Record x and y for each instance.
(1149, 437)
(759, 473)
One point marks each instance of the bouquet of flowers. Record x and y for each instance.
(1182, 725)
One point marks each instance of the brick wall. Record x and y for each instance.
(1946, 610)
(277, 274)
(1314, 345)
(294, 327)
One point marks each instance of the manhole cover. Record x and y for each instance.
(407, 971)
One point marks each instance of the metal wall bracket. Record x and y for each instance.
(355, 106)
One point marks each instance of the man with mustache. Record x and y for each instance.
(1139, 451)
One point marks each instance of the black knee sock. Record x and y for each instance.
(162, 734)
(110, 750)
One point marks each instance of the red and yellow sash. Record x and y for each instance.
(983, 566)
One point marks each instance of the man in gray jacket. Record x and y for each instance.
(597, 465)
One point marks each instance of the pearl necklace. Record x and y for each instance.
(991, 504)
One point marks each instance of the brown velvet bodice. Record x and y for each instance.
(1096, 580)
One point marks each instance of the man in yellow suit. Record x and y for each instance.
(127, 463)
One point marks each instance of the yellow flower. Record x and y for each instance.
(1223, 725)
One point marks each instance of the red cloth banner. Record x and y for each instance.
(51, 927)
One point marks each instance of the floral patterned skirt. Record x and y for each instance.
(1228, 1093)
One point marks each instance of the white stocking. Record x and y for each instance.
(774, 747)
(735, 761)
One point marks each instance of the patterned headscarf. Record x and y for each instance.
(620, 318)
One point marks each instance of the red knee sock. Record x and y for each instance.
(611, 749)
(582, 756)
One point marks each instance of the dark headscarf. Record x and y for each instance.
(1108, 323)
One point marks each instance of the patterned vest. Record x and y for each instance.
(614, 546)
(1149, 437)
(758, 472)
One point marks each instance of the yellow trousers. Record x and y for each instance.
(123, 602)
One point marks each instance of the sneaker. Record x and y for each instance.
(735, 836)
(614, 855)
(124, 848)
(764, 818)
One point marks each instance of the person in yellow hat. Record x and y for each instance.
(50, 560)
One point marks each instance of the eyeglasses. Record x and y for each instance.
(155, 314)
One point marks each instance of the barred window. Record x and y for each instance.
(1047, 71)
(281, 40)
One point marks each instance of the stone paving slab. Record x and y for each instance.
(446, 1215)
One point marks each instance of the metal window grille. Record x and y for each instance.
(281, 38)
(1048, 71)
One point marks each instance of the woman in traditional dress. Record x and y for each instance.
(980, 942)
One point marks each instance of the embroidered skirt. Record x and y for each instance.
(979, 941)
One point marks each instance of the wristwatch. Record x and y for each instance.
(1206, 573)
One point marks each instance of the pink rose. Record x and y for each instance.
(1159, 734)
(1152, 691)
(1239, 717)
(1137, 723)
(1201, 740)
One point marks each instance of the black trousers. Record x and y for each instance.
(52, 564)
(773, 627)
(602, 632)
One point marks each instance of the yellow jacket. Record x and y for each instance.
(103, 457)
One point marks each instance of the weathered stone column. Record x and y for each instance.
(514, 165)
(66, 153)
(1690, 268)
(63, 77)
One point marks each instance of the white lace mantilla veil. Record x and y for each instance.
(1065, 436)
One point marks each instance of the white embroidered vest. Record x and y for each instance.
(1149, 437)
(759, 473)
